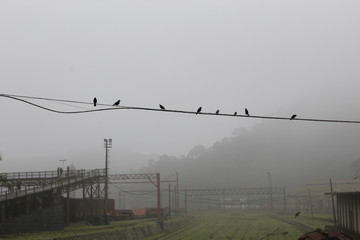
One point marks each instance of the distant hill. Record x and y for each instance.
(293, 151)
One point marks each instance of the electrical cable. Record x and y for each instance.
(19, 98)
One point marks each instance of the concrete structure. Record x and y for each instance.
(315, 192)
(348, 211)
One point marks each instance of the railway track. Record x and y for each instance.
(110, 227)
(175, 232)
(246, 231)
(217, 230)
(300, 226)
(234, 234)
(258, 233)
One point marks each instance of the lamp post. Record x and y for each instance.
(107, 145)
(62, 160)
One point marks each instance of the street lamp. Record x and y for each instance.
(62, 160)
(107, 145)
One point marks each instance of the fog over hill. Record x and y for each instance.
(293, 152)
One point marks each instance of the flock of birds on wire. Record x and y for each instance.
(197, 112)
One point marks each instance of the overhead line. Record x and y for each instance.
(111, 108)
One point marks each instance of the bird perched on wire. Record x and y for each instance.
(95, 101)
(161, 107)
(198, 111)
(297, 214)
(247, 112)
(217, 112)
(293, 117)
(116, 103)
(235, 113)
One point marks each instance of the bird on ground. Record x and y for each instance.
(198, 111)
(217, 112)
(161, 107)
(297, 214)
(235, 113)
(247, 112)
(116, 103)
(95, 101)
(293, 117)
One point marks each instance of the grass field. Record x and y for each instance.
(78, 229)
(246, 226)
(240, 226)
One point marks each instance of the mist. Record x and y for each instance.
(275, 58)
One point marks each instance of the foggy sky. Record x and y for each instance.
(269, 56)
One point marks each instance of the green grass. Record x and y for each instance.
(79, 228)
(204, 226)
(315, 221)
(246, 226)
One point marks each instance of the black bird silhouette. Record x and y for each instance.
(116, 103)
(293, 117)
(235, 113)
(297, 214)
(162, 107)
(95, 101)
(198, 111)
(217, 112)
(246, 112)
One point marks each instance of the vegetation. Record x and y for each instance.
(79, 228)
(243, 226)
(241, 160)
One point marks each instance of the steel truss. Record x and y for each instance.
(234, 191)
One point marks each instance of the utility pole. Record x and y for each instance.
(119, 205)
(177, 192)
(169, 200)
(311, 208)
(158, 209)
(68, 196)
(249, 201)
(124, 201)
(173, 202)
(107, 145)
(175, 198)
(332, 201)
(270, 194)
(185, 201)
(284, 196)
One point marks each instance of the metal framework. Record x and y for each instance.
(238, 191)
(234, 191)
(135, 176)
(37, 182)
(153, 178)
(93, 183)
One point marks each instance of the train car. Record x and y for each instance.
(140, 212)
(149, 212)
(123, 214)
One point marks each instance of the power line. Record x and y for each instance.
(111, 108)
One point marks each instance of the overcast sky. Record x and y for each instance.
(268, 56)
